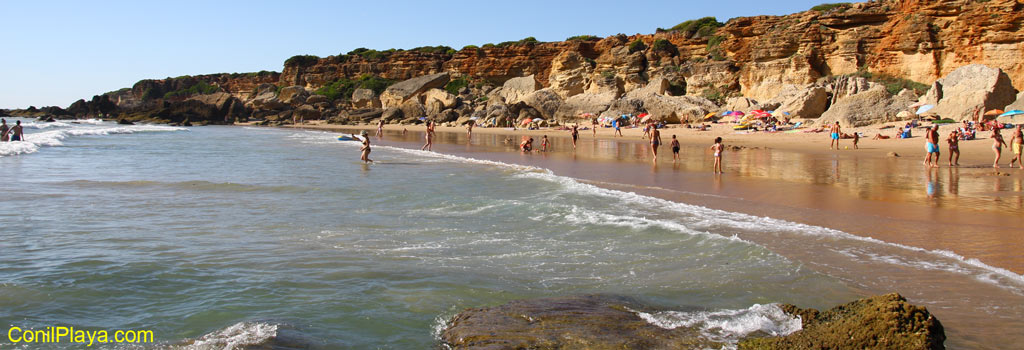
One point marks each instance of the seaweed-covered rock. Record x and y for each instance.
(880, 322)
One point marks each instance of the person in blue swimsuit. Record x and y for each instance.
(835, 136)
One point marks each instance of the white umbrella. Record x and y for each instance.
(924, 108)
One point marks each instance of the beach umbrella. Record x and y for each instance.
(924, 108)
(994, 112)
(917, 104)
(737, 114)
(526, 121)
(1012, 113)
(645, 118)
(710, 116)
(473, 118)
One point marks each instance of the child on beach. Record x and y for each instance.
(954, 147)
(856, 139)
(718, 147)
(544, 144)
(675, 148)
(366, 148)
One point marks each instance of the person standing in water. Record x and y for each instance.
(655, 142)
(675, 148)
(593, 123)
(718, 147)
(365, 157)
(835, 133)
(932, 147)
(575, 132)
(380, 128)
(429, 136)
(954, 147)
(997, 146)
(1017, 145)
(469, 129)
(544, 143)
(17, 134)
(3, 130)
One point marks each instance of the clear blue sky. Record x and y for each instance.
(55, 52)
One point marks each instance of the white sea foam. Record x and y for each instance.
(53, 138)
(242, 335)
(728, 326)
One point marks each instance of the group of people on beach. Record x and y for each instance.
(8, 133)
(931, 158)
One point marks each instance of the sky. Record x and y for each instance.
(56, 52)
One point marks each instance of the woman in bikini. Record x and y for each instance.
(366, 148)
(575, 134)
(430, 137)
(655, 142)
(997, 146)
(718, 148)
(954, 147)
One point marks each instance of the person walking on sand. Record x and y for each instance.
(931, 146)
(575, 132)
(469, 129)
(430, 137)
(675, 148)
(997, 146)
(1017, 146)
(835, 130)
(655, 142)
(380, 128)
(954, 147)
(365, 157)
(718, 147)
(3, 130)
(17, 133)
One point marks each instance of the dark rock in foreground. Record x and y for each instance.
(880, 322)
(607, 322)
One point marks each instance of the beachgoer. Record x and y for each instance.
(675, 148)
(835, 136)
(932, 147)
(655, 142)
(380, 128)
(856, 139)
(618, 131)
(469, 129)
(997, 146)
(366, 148)
(954, 147)
(3, 130)
(718, 147)
(544, 143)
(575, 132)
(593, 123)
(17, 134)
(883, 137)
(1017, 145)
(405, 131)
(647, 130)
(429, 136)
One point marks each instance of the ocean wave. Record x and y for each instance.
(54, 138)
(728, 326)
(242, 335)
(196, 185)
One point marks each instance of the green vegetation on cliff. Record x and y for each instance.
(198, 88)
(637, 45)
(665, 46)
(582, 38)
(301, 61)
(893, 84)
(700, 27)
(828, 7)
(524, 41)
(435, 49)
(456, 84)
(342, 89)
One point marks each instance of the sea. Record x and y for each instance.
(228, 237)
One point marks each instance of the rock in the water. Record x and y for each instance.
(582, 322)
(802, 101)
(865, 108)
(969, 89)
(880, 322)
(125, 122)
(398, 93)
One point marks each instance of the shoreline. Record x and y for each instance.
(904, 203)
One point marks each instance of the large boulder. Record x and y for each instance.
(392, 115)
(227, 106)
(293, 95)
(802, 101)
(969, 89)
(515, 89)
(545, 101)
(306, 112)
(315, 99)
(498, 114)
(676, 109)
(400, 92)
(365, 98)
(437, 100)
(1019, 104)
(866, 108)
(571, 109)
(266, 98)
(413, 109)
(741, 104)
(570, 74)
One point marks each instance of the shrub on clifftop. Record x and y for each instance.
(637, 46)
(301, 61)
(662, 45)
(343, 88)
(698, 27)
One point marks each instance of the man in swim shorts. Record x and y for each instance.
(932, 147)
(835, 136)
(17, 133)
(675, 148)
